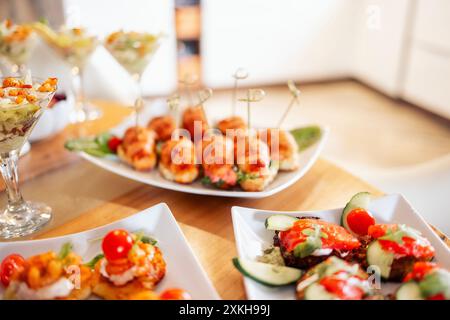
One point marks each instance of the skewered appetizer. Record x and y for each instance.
(306, 242)
(47, 276)
(218, 162)
(256, 169)
(333, 279)
(133, 50)
(16, 41)
(426, 281)
(231, 123)
(395, 248)
(178, 161)
(282, 146)
(192, 117)
(163, 126)
(132, 266)
(138, 148)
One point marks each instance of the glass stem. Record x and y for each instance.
(9, 172)
(78, 88)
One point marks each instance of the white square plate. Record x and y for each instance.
(283, 180)
(252, 237)
(183, 269)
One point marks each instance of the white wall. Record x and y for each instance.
(379, 48)
(276, 40)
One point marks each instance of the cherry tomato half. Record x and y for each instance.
(175, 294)
(359, 221)
(10, 265)
(113, 143)
(117, 244)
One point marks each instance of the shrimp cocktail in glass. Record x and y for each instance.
(75, 46)
(133, 51)
(16, 44)
(22, 101)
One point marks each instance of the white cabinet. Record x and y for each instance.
(427, 72)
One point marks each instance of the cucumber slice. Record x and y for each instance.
(317, 292)
(409, 291)
(378, 257)
(280, 222)
(267, 274)
(359, 200)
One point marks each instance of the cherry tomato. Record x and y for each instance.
(341, 288)
(420, 270)
(439, 296)
(113, 143)
(10, 265)
(379, 230)
(175, 294)
(359, 221)
(117, 244)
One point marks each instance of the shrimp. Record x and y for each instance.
(193, 115)
(138, 148)
(231, 123)
(178, 161)
(256, 168)
(163, 127)
(218, 162)
(283, 147)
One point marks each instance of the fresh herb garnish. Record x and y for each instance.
(91, 264)
(65, 250)
(306, 136)
(244, 176)
(206, 181)
(96, 146)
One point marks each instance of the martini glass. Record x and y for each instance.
(16, 44)
(75, 47)
(17, 120)
(133, 51)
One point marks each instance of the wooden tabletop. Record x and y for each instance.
(84, 196)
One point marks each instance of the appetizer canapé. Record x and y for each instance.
(256, 168)
(286, 148)
(46, 276)
(131, 267)
(178, 161)
(218, 162)
(163, 126)
(395, 248)
(309, 241)
(192, 117)
(426, 281)
(231, 123)
(333, 279)
(137, 148)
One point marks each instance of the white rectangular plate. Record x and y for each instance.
(252, 237)
(283, 180)
(183, 269)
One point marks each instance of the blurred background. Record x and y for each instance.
(377, 72)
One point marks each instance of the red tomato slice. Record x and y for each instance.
(117, 244)
(341, 288)
(175, 294)
(10, 265)
(420, 270)
(359, 221)
(113, 143)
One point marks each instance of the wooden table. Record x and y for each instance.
(84, 196)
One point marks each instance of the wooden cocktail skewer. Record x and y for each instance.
(253, 95)
(138, 105)
(239, 74)
(188, 82)
(295, 98)
(203, 95)
(174, 106)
